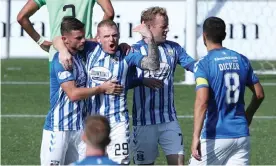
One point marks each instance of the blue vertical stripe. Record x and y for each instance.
(61, 121)
(134, 112)
(79, 113)
(106, 96)
(117, 98)
(98, 97)
(95, 58)
(161, 105)
(170, 84)
(70, 116)
(152, 106)
(142, 105)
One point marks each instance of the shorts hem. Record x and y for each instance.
(144, 162)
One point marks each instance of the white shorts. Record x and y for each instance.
(145, 140)
(118, 149)
(61, 147)
(234, 151)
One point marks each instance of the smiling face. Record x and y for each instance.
(108, 36)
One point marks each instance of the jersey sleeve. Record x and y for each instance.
(133, 80)
(61, 74)
(185, 60)
(201, 75)
(89, 47)
(134, 58)
(40, 3)
(251, 76)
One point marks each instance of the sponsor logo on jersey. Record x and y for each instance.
(100, 74)
(63, 75)
(162, 73)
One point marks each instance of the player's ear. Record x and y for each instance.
(83, 137)
(204, 38)
(98, 38)
(63, 39)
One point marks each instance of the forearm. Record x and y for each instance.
(199, 115)
(59, 45)
(151, 62)
(135, 82)
(108, 15)
(28, 27)
(107, 8)
(84, 93)
(253, 106)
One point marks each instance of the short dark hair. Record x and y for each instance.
(149, 14)
(214, 28)
(70, 23)
(97, 130)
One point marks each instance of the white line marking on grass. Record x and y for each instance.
(23, 83)
(22, 116)
(47, 83)
(14, 68)
(179, 116)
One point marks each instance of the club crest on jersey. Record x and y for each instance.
(162, 73)
(100, 74)
(170, 52)
(140, 156)
(114, 59)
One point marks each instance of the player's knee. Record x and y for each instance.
(175, 159)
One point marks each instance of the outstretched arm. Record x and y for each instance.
(23, 19)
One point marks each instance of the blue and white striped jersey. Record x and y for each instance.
(157, 106)
(65, 114)
(102, 67)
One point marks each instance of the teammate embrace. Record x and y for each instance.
(93, 77)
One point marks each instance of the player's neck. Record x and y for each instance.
(94, 152)
(72, 51)
(213, 46)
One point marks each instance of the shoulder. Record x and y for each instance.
(138, 45)
(172, 44)
(243, 58)
(90, 45)
(204, 59)
(40, 3)
(55, 58)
